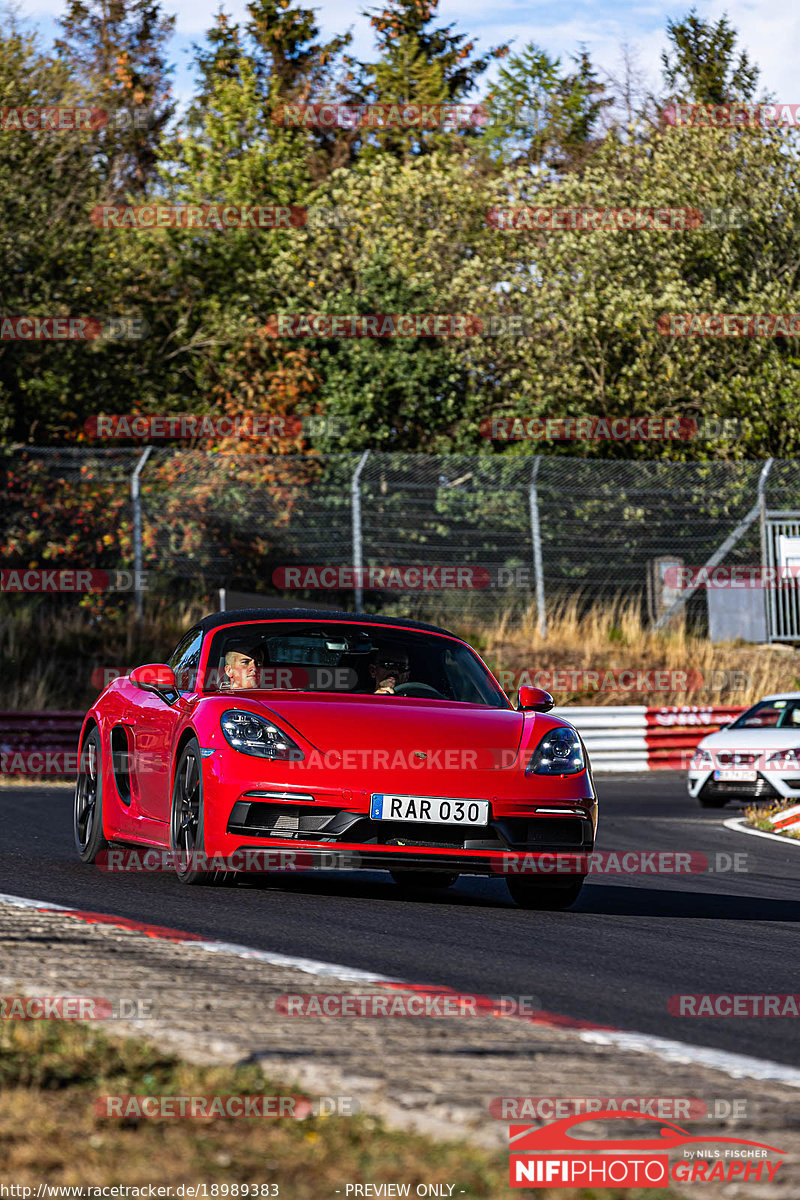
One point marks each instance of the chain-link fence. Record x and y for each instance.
(531, 527)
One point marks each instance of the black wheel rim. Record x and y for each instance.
(186, 810)
(86, 794)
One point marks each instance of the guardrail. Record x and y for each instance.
(637, 737)
(627, 737)
(39, 743)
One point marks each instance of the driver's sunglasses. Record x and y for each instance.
(391, 664)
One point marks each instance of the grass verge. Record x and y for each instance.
(52, 1072)
(759, 818)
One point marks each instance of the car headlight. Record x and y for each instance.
(701, 760)
(251, 734)
(784, 758)
(559, 753)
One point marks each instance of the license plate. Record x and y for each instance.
(432, 809)
(740, 776)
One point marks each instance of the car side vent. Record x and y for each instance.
(121, 762)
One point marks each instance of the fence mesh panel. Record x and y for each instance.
(213, 520)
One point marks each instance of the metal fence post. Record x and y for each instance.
(536, 540)
(358, 558)
(769, 599)
(137, 533)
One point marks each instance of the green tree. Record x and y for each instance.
(420, 63)
(592, 299)
(48, 261)
(116, 53)
(542, 115)
(702, 63)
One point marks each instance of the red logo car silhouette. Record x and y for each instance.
(557, 1136)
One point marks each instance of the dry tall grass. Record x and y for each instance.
(48, 651)
(612, 635)
(47, 654)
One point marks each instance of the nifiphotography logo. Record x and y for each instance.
(560, 1155)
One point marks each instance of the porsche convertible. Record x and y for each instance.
(365, 741)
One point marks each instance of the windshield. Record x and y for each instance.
(312, 656)
(770, 714)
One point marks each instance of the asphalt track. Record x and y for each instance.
(628, 944)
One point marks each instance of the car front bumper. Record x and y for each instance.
(766, 786)
(327, 824)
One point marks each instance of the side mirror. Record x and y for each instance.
(535, 699)
(154, 677)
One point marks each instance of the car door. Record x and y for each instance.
(154, 722)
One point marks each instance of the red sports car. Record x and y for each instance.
(330, 739)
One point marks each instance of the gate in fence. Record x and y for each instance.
(782, 557)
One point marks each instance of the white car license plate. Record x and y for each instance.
(433, 809)
(740, 776)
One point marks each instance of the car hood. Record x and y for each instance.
(414, 747)
(752, 739)
(339, 723)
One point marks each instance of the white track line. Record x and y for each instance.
(309, 965)
(738, 1066)
(23, 902)
(737, 824)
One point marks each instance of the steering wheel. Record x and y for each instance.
(418, 689)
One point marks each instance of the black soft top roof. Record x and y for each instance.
(235, 615)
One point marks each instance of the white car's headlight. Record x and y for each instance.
(784, 758)
(701, 761)
(251, 734)
(559, 753)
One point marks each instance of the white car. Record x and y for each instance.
(756, 757)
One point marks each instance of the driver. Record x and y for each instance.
(389, 667)
(241, 667)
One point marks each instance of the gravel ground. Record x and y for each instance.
(434, 1074)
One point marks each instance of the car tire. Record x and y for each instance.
(87, 808)
(713, 801)
(187, 824)
(413, 881)
(528, 894)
